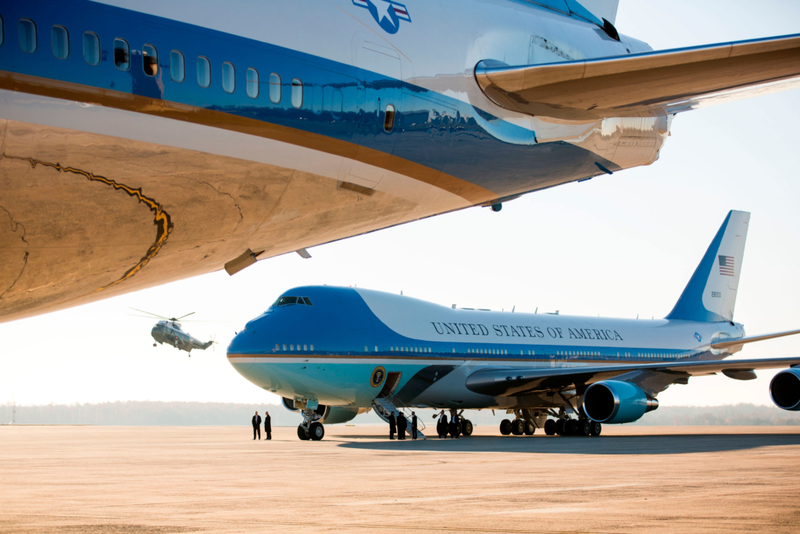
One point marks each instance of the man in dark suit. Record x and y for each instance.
(392, 425)
(401, 426)
(256, 426)
(413, 425)
(267, 426)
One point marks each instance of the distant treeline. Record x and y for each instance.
(147, 413)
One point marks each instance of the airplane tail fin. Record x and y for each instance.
(710, 294)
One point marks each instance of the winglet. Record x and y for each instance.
(710, 294)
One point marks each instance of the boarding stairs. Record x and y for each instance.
(383, 407)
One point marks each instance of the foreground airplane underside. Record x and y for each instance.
(334, 353)
(145, 142)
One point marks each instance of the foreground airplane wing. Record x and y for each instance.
(510, 381)
(668, 81)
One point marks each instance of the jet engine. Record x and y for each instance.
(785, 389)
(329, 414)
(613, 401)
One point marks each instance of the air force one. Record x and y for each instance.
(144, 142)
(334, 353)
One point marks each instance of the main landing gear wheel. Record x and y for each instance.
(560, 427)
(550, 427)
(505, 427)
(584, 427)
(518, 427)
(529, 428)
(596, 428)
(302, 433)
(316, 431)
(466, 427)
(571, 427)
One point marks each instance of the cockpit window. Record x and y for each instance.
(288, 301)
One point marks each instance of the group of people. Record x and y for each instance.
(443, 427)
(257, 426)
(398, 423)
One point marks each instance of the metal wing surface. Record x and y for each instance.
(646, 84)
(509, 381)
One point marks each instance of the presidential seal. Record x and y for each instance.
(377, 376)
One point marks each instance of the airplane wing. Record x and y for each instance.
(647, 84)
(508, 382)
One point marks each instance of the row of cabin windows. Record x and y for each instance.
(29, 42)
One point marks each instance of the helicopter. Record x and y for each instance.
(169, 331)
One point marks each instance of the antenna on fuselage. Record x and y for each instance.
(514, 308)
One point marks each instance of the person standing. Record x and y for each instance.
(413, 425)
(256, 426)
(392, 425)
(441, 425)
(267, 426)
(455, 425)
(401, 426)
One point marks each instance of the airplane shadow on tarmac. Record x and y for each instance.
(664, 444)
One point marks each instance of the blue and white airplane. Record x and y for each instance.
(336, 352)
(148, 141)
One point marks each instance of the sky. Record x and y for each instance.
(617, 246)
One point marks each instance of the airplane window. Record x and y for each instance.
(228, 77)
(122, 54)
(291, 347)
(311, 347)
(305, 347)
(91, 48)
(388, 118)
(376, 348)
(60, 37)
(297, 93)
(28, 41)
(177, 66)
(284, 347)
(286, 301)
(308, 301)
(150, 60)
(252, 83)
(2, 32)
(203, 72)
(275, 88)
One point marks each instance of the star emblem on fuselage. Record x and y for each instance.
(386, 13)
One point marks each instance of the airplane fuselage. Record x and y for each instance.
(330, 351)
(144, 143)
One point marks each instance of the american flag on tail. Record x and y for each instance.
(726, 265)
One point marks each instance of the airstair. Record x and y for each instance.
(383, 407)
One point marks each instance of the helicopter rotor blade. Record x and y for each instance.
(181, 317)
(150, 313)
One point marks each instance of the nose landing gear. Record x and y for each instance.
(310, 428)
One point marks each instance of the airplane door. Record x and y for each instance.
(381, 75)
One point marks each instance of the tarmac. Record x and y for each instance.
(70, 479)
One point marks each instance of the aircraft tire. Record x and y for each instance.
(571, 427)
(302, 433)
(466, 427)
(530, 428)
(584, 427)
(316, 431)
(518, 427)
(550, 427)
(596, 428)
(505, 427)
(560, 427)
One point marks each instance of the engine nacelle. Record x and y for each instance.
(785, 389)
(613, 401)
(340, 414)
(289, 404)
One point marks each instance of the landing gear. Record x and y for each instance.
(505, 427)
(466, 427)
(529, 428)
(550, 427)
(572, 427)
(310, 428)
(317, 431)
(518, 427)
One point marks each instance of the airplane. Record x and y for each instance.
(147, 142)
(334, 353)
